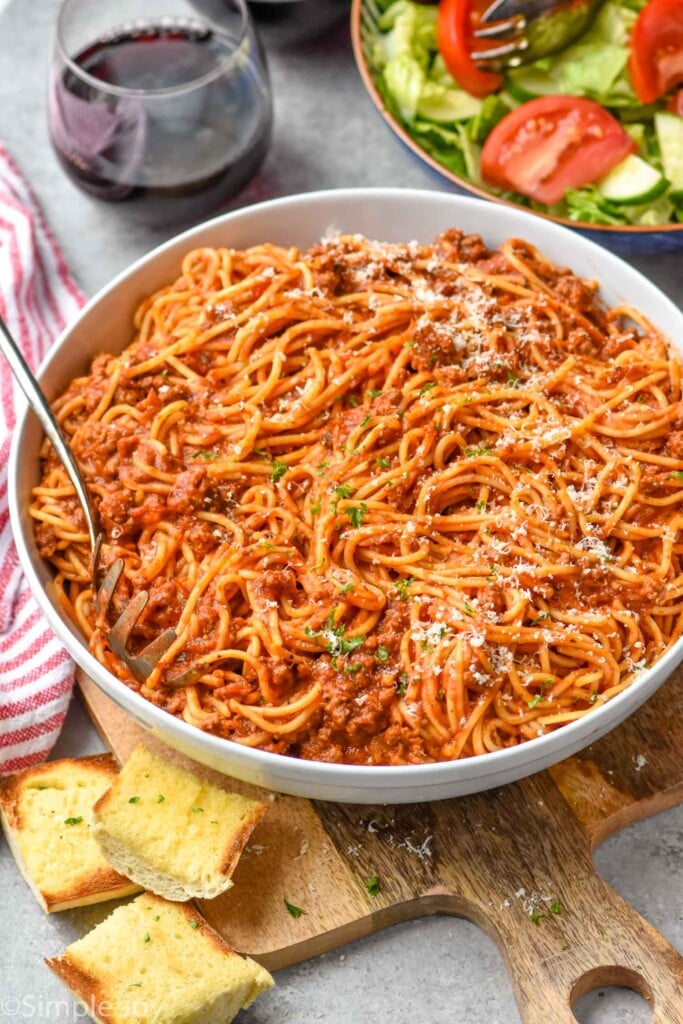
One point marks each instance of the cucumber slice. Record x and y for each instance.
(669, 128)
(632, 181)
(446, 105)
(526, 82)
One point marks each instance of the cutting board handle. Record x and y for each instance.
(597, 940)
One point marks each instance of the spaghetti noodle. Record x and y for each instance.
(401, 503)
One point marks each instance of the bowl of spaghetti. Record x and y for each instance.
(408, 497)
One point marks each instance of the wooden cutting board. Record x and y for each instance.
(500, 859)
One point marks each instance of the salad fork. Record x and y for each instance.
(524, 30)
(104, 584)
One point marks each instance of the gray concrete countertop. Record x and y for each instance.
(327, 135)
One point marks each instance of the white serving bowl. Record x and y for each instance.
(391, 215)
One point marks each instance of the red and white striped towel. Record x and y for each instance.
(38, 297)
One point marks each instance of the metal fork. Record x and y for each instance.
(141, 664)
(528, 29)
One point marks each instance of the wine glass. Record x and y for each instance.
(167, 114)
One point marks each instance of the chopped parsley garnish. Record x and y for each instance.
(410, 344)
(136, 984)
(356, 513)
(73, 821)
(469, 610)
(556, 907)
(315, 509)
(481, 449)
(161, 798)
(541, 618)
(426, 388)
(402, 684)
(294, 910)
(147, 937)
(194, 924)
(134, 800)
(322, 466)
(205, 455)
(164, 373)
(355, 666)
(373, 393)
(593, 697)
(261, 452)
(382, 654)
(481, 506)
(677, 474)
(346, 588)
(382, 461)
(197, 810)
(343, 491)
(353, 401)
(279, 470)
(513, 380)
(403, 587)
(372, 885)
(535, 918)
(366, 419)
(536, 699)
(334, 638)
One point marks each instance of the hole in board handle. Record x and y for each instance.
(609, 979)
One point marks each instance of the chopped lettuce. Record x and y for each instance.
(414, 77)
(586, 204)
(404, 78)
(405, 28)
(493, 110)
(451, 125)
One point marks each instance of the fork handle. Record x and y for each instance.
(501, 10)
(39, 404)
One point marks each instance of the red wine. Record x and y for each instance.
(185, 126)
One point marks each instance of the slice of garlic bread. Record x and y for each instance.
(155, 962)
(46, 815)
(171, 831)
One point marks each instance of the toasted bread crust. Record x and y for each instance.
(106, 884)
(239, 840)
(83, 985)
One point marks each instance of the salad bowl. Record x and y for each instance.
(394, 43)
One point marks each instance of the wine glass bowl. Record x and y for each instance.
(168, 115)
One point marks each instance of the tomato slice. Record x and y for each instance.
(456, 41)
(656, 60)
(551, 144)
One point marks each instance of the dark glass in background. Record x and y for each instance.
(167, 115)
(288, 23)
